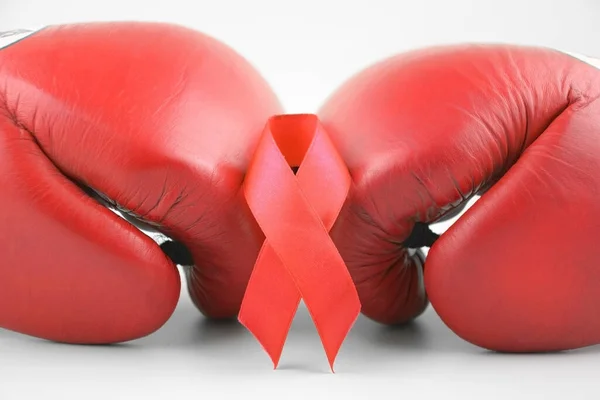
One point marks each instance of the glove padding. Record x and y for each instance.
(424, 132)
(159, 122)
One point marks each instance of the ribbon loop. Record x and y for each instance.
(298, 258)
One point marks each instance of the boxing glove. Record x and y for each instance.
(155, 121)
(424, 132)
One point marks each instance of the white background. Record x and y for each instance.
(305, 49)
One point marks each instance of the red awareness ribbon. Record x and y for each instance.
(298, 259)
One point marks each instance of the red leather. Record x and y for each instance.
(169, 125)
(159, 119)
(298, 258)
(425, 131)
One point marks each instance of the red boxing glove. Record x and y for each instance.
(156, 120)
(424, 132)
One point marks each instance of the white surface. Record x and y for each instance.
(196, 359)
(305, 49)
(192, 357)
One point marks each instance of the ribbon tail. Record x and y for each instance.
(333, 319)
(270, 303)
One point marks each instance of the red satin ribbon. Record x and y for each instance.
(298, 258)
